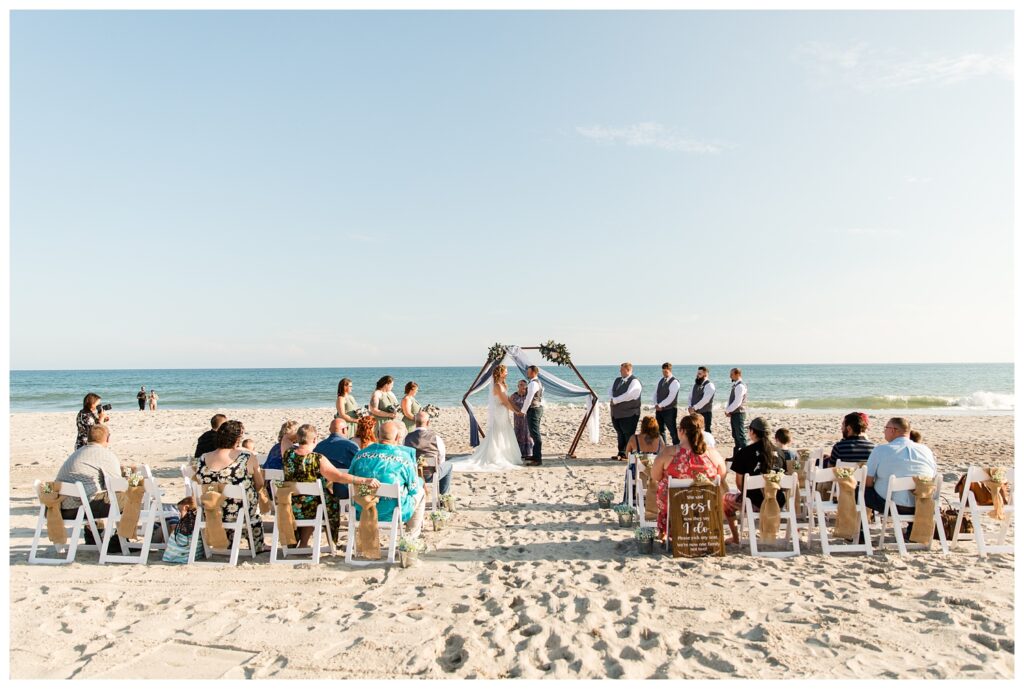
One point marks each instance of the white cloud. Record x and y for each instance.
(867, 231)
(869, 69)
(651, 135)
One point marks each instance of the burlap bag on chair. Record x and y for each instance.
(54, 521)
(924, 511)
(131, 508)
(212, 500)
(995, 488)
(266, 504)
(770, 513)
(368, 533)
(847, 521)
(650, 493)
(285, 516)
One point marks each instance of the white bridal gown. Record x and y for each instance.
(499, 450)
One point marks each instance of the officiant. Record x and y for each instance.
(624, 396)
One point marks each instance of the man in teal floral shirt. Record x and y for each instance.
(390, 463)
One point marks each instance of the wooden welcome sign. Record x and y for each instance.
(695, 521)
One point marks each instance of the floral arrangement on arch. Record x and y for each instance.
(555, 352)
(496, 352)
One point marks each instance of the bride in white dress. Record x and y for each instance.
(499, 450)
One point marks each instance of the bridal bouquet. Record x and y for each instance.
(362, 411)
(432, 410)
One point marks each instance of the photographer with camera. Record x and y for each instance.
(92, 414)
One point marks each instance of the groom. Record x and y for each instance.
(534, 411)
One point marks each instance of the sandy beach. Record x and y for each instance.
(530, 580)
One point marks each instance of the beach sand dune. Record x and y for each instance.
(530, 579)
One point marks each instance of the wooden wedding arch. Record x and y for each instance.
(566, 360)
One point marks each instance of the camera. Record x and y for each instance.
(106, 407)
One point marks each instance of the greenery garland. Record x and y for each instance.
(555, 352)
(496, 352)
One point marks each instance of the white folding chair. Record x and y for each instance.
(187, 475)
(315, 489)
(270, 477)
(641, 502)
(631, 482)
(968, 503)
(261, 459)
(82, 518)
(393, 528)
(155, 500)
(753, 519)
(890, 513)
(234, 492)
(824, 508)
(144, 528)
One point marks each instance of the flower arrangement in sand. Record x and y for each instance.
(448, 502)
(411, 545)
(555, 352)
(622, 508)
(644, 533)
(439, 516)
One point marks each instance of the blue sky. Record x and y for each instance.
(385, 188)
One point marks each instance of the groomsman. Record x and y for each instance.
(665, 397)
(625, 406)
(534, 410)
(736, 410)
(702, 395)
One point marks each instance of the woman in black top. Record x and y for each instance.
(90, 415)
(758, 457)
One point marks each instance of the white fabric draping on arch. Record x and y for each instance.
(551, 383)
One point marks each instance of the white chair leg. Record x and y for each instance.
(897, 531)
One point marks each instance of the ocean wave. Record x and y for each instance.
(977, 400)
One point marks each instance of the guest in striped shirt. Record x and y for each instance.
(854, 447)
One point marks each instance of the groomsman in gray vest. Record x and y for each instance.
(702, 395)
(624, 396)
(534, 410)
(665, 398)
(736, 410)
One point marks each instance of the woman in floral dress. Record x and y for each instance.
(230, 465)
(690, 457)
(302, 465)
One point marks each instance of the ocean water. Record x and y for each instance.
(949, 387)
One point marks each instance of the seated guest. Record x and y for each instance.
(339, 451)
(899, 457)
(854, 447)
(915, 436)
(782, 440)
(647, 441)
(249, 444)
(231, 465)
(303, 464)
(388, 463)
(208, 441)
(286, 438)
(690, 457)
(756, 458)
(87, 464)
(366, 432)
(430, 448)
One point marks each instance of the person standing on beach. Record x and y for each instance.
(736, 410)
(383, 403)
(152, 400)
(666, 396)
(624, 395)
(141, 397)
(517, 398)
(702, 395)
(533, 411)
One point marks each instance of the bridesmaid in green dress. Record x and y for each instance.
(383, 403)
(346, 406)
(410, 407)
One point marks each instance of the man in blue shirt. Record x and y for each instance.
(899, 457)
(339, 451)
(388, 462)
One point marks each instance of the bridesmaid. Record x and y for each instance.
(410, 407)
(346, 405)
(383, 403)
